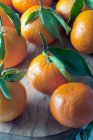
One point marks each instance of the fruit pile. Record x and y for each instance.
(53, 71)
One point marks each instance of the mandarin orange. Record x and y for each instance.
(31, 30)
(11, 109)
(82, 32)
(71, 104)
(5, 19)
(44, 76)
(64, 7)
(15, 47)
(22, 5)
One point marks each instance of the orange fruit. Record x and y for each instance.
(22, 5)
(31, 30)
(5, 19)
(11, 109)
(15, 47)
(64, 7)
(82, 32)
(44, 76)
(7, 3)
(71, 104)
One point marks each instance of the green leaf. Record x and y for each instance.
(89, 3)
(4, 89)
(32, 16)
(14, 17)
(9, 71)
(61, 21)
(76, 9)
(1, 66)
(2, 45)
(72, 60)
(61, 68)
(13, 75)
(51, 23)
(45, 47)
(83, 134)
(89, 129)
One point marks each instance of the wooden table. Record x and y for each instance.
(22, 126)
(61, 136)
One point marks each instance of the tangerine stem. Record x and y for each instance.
(45, 47)
(40, 2)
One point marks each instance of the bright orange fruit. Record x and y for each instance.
(15, 47)
(44, 76)
(31, 30)
(82, 32)
(22, 5)
(11, 109)
(64, 7)
(71, 104)
(5, 19)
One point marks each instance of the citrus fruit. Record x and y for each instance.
(23, 5)
(11, 109)
(44, 76)
(5, 19)
(64, 7)
(71, 104)
(7, 3)
(31, 30)
(15, 47)
(81, 34)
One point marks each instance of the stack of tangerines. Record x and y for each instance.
(51, 72)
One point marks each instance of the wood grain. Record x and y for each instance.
(37, 120)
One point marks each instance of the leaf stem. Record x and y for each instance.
(40, 2)
(45, 47)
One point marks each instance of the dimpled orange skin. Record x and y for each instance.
(82, 32)
(23, 5)
(44, 76)
(64, 7)
(15, 48)
(5, 19)
(11, 109)
(71, 104)
(31, 30)
(7, 3)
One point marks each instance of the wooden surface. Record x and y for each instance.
(37, 120)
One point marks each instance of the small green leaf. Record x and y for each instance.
(14, 17)
(72, 60)
(51, 23)
(76, 9)
(32, 16)
(45, 47)
(61, 21)
(12, 75)
(2, 45)
(9, 71)
(89, 3)
(4, 89)
(61, 68)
